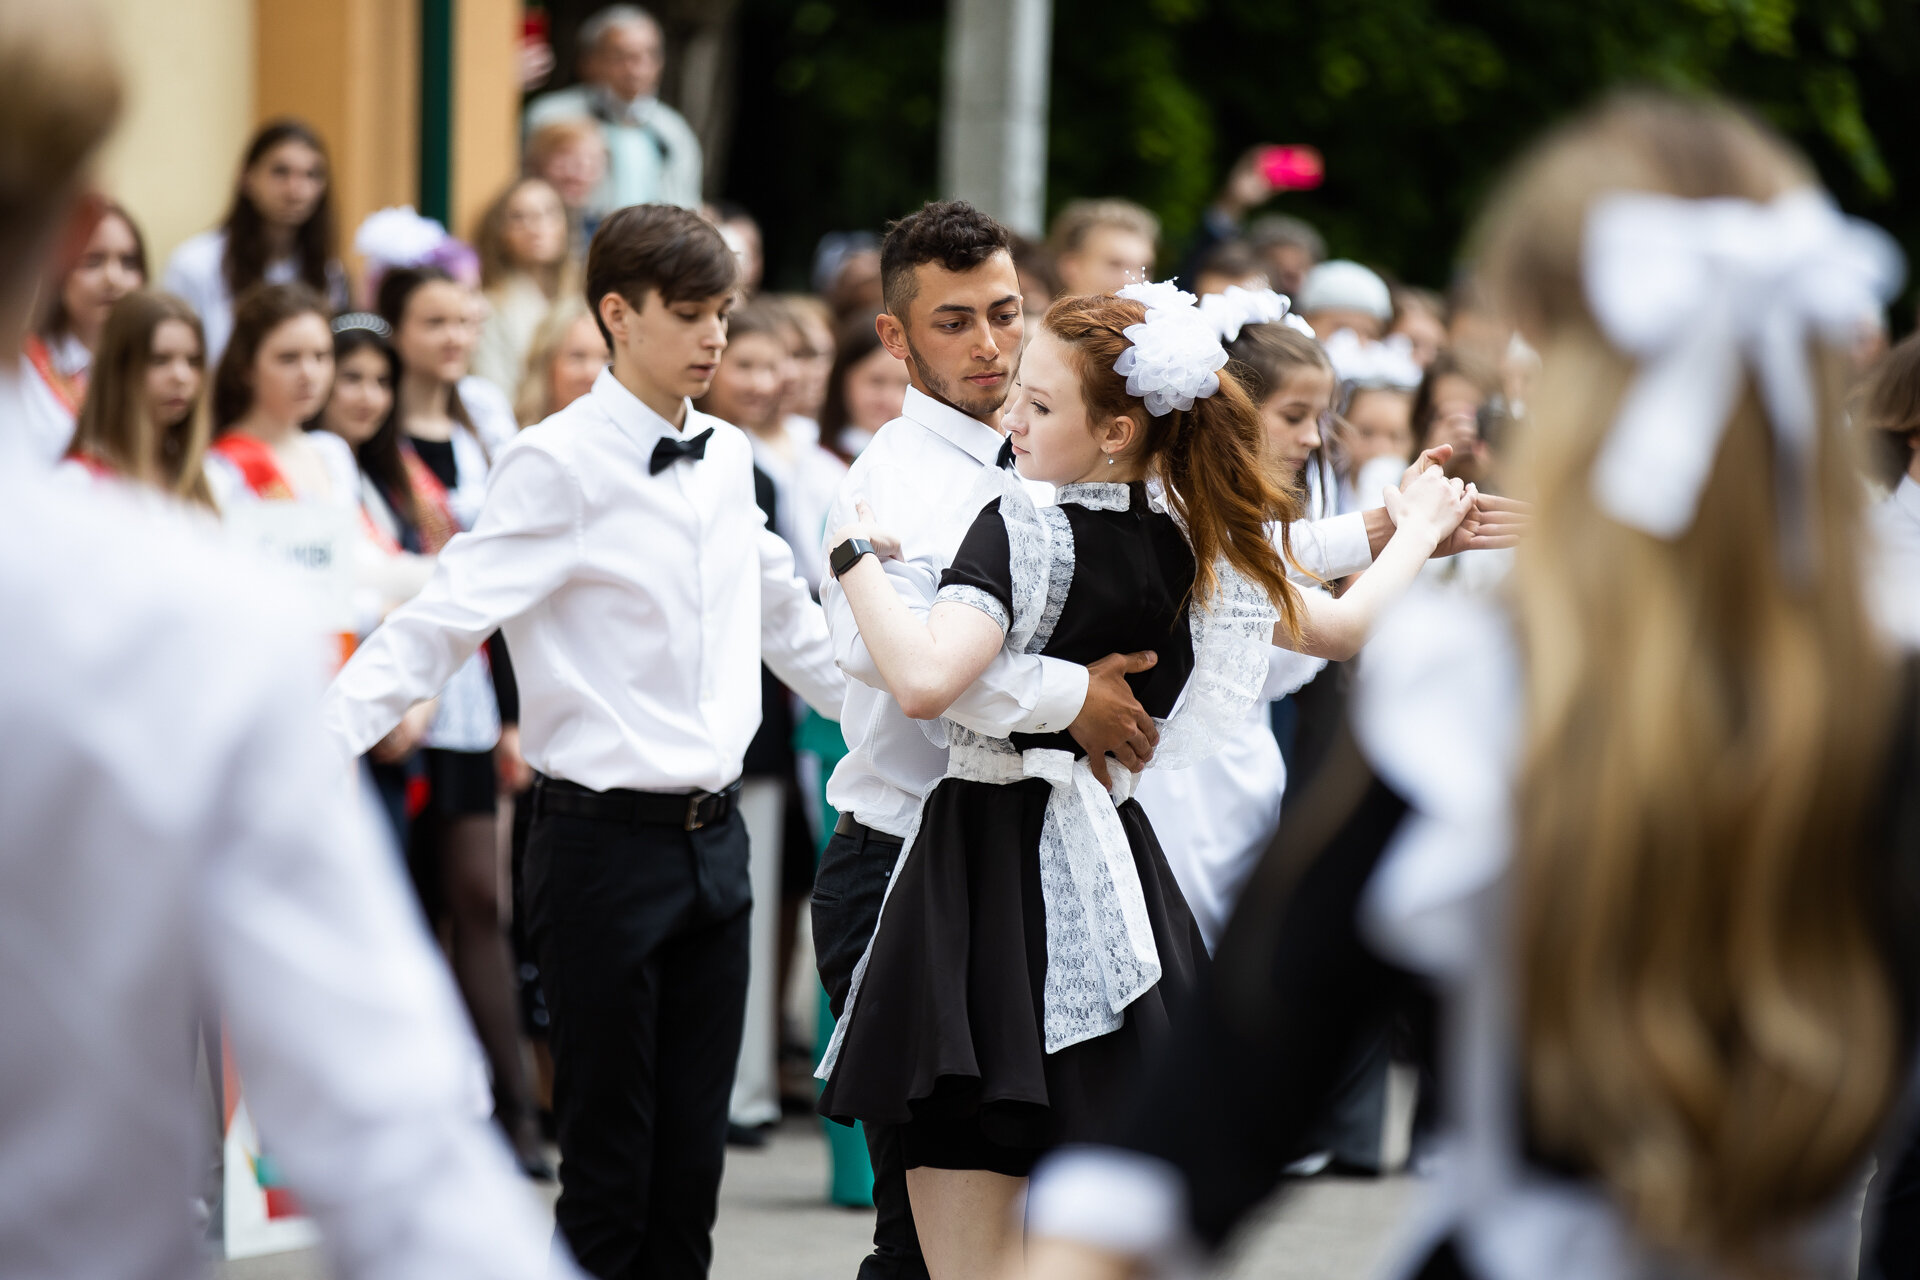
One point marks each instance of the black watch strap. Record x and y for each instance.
(847, 554)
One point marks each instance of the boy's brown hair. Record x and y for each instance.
(660, 247)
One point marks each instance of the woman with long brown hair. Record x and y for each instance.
(58, 357)
(1647, 826)
(525, 267)
(279, 229)
(1034, 944)
(144, 418)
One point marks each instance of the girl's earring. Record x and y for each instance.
(1110, 459)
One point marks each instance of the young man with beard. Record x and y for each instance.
(953, 314)
(621, 550)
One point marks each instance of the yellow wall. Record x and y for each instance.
(351, 69)
(486, 107)
(203, 73)
(189, 66)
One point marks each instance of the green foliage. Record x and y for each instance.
(1417, 104)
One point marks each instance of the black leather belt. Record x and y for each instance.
(852, 826)
(689, 811)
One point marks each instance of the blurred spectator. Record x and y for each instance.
(1231, 262)
(472, 744)
(1420, 316)
(272, 378)
(1889, 413)
(1290, 247)
(570, 156)
(1473, 329)
(866, 389)
(278, 229)
(60, 350)
(1345, 295)
(742, 234)
(809, 334)
(1287, 247)
(653, 156)
(846, 272)
(1455, 405)
(144, 418)
(1101, 246)
(568, 352)
(523, 268)
(1039, 277)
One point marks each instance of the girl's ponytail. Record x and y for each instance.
(1225, 497)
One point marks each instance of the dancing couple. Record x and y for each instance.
(1032, 945)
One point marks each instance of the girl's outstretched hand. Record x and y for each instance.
(885, 545)
(1430, 506)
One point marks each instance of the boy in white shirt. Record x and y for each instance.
(621, 552)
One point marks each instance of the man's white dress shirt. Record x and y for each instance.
(175, 837)
(638, 607)
(918, 478)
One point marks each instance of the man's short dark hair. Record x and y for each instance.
(950, 232)
(657, 246)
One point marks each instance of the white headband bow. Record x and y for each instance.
(1176, 356)
(1695, 290)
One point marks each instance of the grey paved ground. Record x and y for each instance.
(775, 1225)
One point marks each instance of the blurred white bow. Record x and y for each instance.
(1697, 290)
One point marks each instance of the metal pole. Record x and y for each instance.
(993, 130)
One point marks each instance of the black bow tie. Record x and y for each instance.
(670, 451)
(1005, 460)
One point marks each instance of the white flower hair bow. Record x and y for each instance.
(1176, 356)
(1698, 291)
(1236, 308)
(398, 237)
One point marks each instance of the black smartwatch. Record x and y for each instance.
(848, 554)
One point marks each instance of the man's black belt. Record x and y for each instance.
(689, 811)
(852, 826)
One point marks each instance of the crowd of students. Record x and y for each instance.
(985, 612)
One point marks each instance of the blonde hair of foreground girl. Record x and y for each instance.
(1705, 1015)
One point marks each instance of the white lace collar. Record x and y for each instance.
(1096, 495)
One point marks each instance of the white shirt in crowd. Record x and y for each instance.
(45, 417)
(175, 837)
(805, 482)
(194, 273)
(638, 607)
(918, 477)
(1895, 589)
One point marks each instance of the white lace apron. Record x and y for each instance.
(1101, 955)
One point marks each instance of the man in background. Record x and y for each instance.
(653, 156)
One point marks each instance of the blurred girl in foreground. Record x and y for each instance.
(1649, 828)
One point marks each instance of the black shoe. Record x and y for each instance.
(740, 1135)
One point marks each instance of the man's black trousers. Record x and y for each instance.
(640, 931)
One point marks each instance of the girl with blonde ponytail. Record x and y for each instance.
(1648, 827)
(1034, 944)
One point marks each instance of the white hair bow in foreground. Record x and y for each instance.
(1697, 290)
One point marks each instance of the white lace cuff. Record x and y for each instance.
(976, 598)
(1117, 1201)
